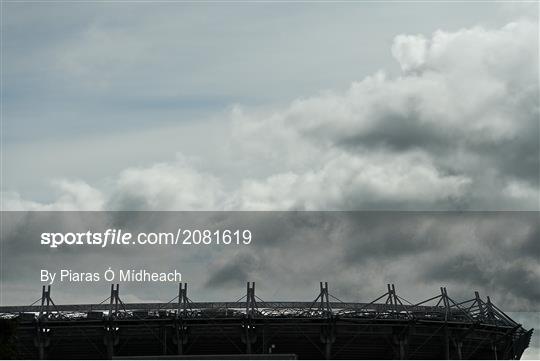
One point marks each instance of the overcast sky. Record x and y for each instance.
(274, 106)
(260, 106)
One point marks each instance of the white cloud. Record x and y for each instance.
(355, 182)
(73, 196)
(410, 51)
(166, 186)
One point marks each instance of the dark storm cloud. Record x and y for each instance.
(401, 132)
(531, 246)
(372, 236)
(463, 267)
(358, 252)
(515, 157)
(234, 273)
(517, 279)
(522, 280)
(493, 251)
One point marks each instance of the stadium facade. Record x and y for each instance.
(388, 327)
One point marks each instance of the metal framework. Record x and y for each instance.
(326, 328)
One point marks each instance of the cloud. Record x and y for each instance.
(233, 272)
(458, 129)
(166, 186)
(467, 101)
(410, 51)
(73, 196)
(420, 251)
(495, 253)
(372, 181)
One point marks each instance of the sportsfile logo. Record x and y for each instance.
(119, 237)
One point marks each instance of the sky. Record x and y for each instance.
(391, 106)
(348, 106)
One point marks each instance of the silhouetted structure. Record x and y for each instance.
(386, 328)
